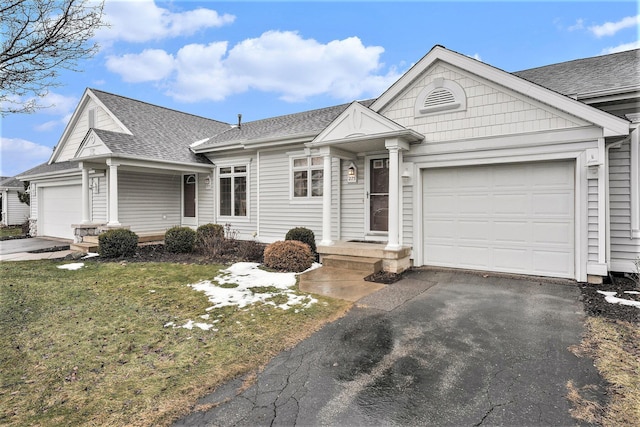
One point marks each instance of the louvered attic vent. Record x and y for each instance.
(439, 96)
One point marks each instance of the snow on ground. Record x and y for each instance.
(240, 285)
(72, 266)
(90, 255)
(610, 297)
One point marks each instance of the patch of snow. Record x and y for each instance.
(632, 292)
(247, 275)
(610, 298)
(72, 266)
(152, 291)
(190, 324)
(166, 325)
(205, 317)
(90, 255)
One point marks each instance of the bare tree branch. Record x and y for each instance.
(40, 38)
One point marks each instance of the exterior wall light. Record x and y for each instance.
(352, 173)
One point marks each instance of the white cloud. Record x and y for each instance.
(579, 25)
(142, 20)
(57, 104)
(621, 48)
(19, 155)
(150, 65)
(279, 62)
(611, 28)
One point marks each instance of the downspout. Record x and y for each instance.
(257, 190)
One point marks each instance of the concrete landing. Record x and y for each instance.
(337, 283)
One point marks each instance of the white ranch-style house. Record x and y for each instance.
(458, 164)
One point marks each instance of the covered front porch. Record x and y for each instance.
(359, 137)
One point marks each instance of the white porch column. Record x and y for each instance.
(394, 146)
(85, 194)
(113, 194)
(326, 200)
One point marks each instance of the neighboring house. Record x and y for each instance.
(14, 212)
(458, 164)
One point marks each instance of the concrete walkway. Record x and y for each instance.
(437, 348)
(337, 283)
(19, 249)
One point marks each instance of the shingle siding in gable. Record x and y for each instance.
(490, 112)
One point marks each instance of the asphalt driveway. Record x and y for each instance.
(438, 348)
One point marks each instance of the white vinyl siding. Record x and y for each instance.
(279, 212)
(516, 218)
(99, 199)
(14, 212)
(407, 214)
(352, 203)
(81, 127)
(624, 249)
(592, 220)
(206, 202)
(149, 202)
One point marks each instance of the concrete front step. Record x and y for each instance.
(353, 263)
(84, 247)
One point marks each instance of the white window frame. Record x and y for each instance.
(233, 174)
(309, 168)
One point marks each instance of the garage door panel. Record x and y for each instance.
(474, 230)
(552, 263)
(441, 228)
(510, 204)
(511, 231)
(553, 233)
(511, 259)
(511, 218)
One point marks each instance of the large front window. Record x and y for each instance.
(233, 191)
(308, 177)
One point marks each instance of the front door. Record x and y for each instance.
(378, 195)
(189, 200)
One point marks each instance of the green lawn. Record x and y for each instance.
(89, 347)
(10, 231)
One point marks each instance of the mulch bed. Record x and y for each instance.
(596, 305)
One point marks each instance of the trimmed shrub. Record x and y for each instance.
(179, 240)
(303, 235)
(209, 231)
(290, 255)
(250, 250)
(118, 242)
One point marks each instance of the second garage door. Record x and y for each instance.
(59, 208)
(516, 218)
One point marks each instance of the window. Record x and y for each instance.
(233, 191)
(307, 178)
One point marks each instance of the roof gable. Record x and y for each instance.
(611, 125)
(357, 120)
(92, 146)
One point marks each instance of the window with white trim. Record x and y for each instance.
(232, 185)
(307, 176)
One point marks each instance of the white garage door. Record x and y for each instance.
(60, 207)
(516, 218)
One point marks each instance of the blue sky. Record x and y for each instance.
(263, 59)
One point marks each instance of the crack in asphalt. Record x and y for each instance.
(492, 405)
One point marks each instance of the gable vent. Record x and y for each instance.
(439, 97)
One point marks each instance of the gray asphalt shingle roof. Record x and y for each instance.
(158, 133)
(54, 167)
(8, 182)
(306, 122)
(599, 73)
